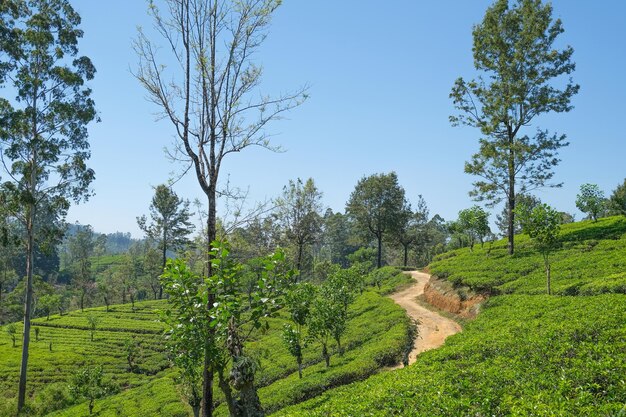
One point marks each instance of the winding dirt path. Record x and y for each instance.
(433, 328)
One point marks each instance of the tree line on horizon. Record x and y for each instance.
(88, 269)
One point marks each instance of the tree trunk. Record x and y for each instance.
(299, 360)
(163, 265)
(339, 348)
(380, 250)
(548, 276)
(30, 260)
(242, 377)
(299, 263)
(207, 372)
(82, 300)
(326, 355)
(249, 404)
(228, 393)
(511, 200)
(406, 254)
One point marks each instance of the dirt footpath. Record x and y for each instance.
(433, 328)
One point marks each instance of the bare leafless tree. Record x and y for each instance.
(207, 87)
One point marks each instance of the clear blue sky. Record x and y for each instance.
(380, 75)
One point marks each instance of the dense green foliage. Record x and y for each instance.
(169, 227)
(617, 201)
(591, 200)
(592, 260)
(524, 355)
(388, 279)
(65, 345)
(522, 74)
(474, 224)
(542, 225)
(136, 360)
(376, 206)
(299, 211)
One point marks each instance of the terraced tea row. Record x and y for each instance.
(377, 336)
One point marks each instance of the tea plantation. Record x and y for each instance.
(526, 353)
(377, 336)
(591, 260)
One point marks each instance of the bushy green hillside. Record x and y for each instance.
(377, 336)
(526, 353)
(592, 260)
(65, 345)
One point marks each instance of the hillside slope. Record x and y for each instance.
(592, 260)
(526, 353)
(377, 336)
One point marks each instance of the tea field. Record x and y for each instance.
(527, 353)
(377, 336)
(591, 260)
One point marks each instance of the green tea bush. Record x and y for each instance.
(159, 397)
(375, 337)
(388, 279)
(523, 355)
(52, 397)
(64, 345)
(591, 256)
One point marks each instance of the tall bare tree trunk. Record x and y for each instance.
(326, 355)
(406, 254)
(548, 275)
(30, 261)
(208, 372)
(299, 263)
(242, 377)
(379, 260)
(511, 197)
(163, 266)
(228, 393)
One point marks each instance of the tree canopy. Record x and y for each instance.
(474, 223)
(44, 129)
(299, 212)
(543, 225)
(591, 200)
(210, 95)
(617, 201)
(520, 78)
(376, 205)
(170, 223)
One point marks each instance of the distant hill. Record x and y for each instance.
(117, 242)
